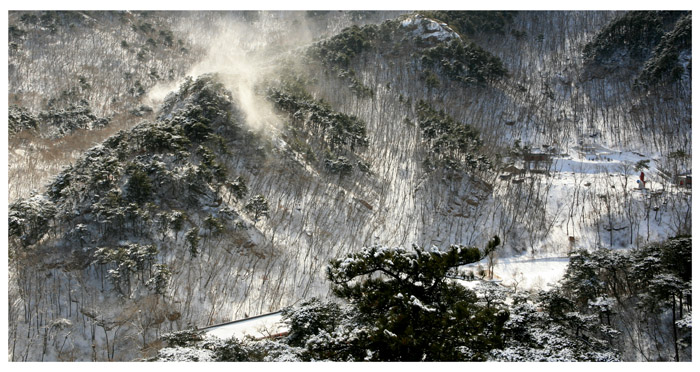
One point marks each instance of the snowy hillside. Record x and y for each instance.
(278, 155)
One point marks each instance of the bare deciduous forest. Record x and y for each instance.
(173, 170)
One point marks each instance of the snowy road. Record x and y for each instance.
(262, 326)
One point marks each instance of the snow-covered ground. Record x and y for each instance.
(532, 273)
(315, 218)
(586, 177)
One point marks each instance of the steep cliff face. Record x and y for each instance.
(242, 187)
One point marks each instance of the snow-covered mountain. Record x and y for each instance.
(278, 155)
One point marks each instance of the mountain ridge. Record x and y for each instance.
(201, 216)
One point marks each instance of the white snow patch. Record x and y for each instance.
(426, 28)
(525, 271)
(416, 302)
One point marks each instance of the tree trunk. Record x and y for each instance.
(673, 325)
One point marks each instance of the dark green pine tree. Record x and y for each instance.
(138, 188)
(192, 238)
(238, 188)
(410, 310)
(258, 206)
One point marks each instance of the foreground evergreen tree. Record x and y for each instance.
(644, 292)
(406, 308)
(537, 330)
(405, 305)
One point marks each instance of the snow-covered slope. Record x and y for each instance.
(223, 262)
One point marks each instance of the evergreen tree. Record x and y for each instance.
(535, 335)
(646, 290)
(160, 278)
(139, 187)
(238, 188)
(29, 219)
(258, 206)
(309, 318)
(192, 238)
(407, 308)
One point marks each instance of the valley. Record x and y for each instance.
(239, 156)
